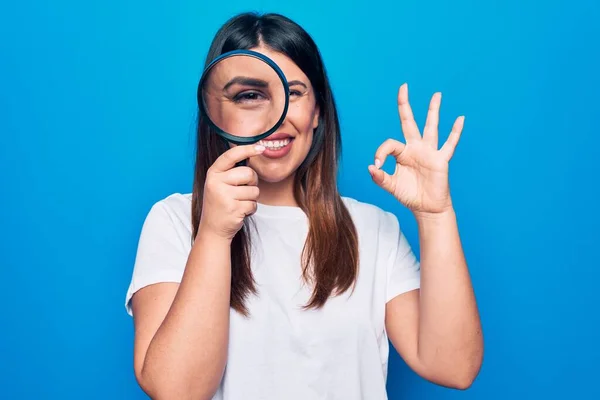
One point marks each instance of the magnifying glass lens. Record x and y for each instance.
(244, 97)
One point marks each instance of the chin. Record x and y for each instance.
(274, 173)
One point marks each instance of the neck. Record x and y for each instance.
(277, 193)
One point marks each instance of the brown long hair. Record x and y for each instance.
(330, 254)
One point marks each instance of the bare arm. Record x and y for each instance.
(181, 331)
(437, 329)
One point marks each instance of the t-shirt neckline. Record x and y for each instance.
(265, 210)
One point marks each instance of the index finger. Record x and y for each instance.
(407, 120)
(231, 157)
(389, 147)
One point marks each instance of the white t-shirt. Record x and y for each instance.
(281, 351)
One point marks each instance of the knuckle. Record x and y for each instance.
(385, 146)
(252, 208)
(231, 207)
(209, 183)
(227, 157)
(247, 173)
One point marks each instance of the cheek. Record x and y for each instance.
(302, 116)
(307, 139)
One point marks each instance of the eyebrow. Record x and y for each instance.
(242, 80)
(292, 83)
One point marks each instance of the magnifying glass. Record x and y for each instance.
(244, 96)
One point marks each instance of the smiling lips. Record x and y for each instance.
(277, 145)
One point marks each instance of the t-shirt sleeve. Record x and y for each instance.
(161, 253)
(404, 270)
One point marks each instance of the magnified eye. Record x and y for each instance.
(248, 96)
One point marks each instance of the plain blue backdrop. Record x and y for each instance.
(97, 112)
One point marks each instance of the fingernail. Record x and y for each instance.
(377, 163)
(259, 148)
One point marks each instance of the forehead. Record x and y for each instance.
(290, 69)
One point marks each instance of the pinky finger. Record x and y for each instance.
(448, 148)
(248, 207)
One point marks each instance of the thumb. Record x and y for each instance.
(380, 177)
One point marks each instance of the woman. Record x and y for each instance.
(300, 304)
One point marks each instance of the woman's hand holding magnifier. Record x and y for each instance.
(230, 193)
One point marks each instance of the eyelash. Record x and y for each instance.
(242, 96)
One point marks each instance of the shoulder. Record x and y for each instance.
(178, 205)
(164, 244)
(172, 213)
(360, 208)
(372, 219)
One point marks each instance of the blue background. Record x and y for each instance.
(97, 109)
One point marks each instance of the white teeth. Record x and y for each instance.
(275, 144)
